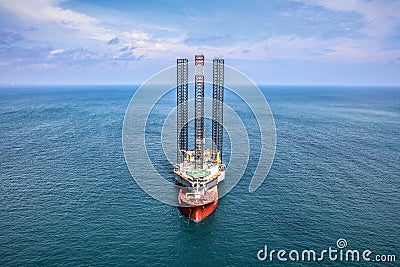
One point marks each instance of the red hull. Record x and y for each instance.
(198, 213)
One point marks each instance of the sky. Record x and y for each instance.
(303, 42)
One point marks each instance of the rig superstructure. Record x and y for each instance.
(199, 170)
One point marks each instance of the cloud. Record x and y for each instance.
(127, 56)
(48, 12)
(207, 40)
(113, 41)
(381, 16)
(20, 56)
(47, 34)
(44, 57)
(56, 52)
(129, 47)
(7, 37)
(105, 45)
(360, 50)
(357, 31)
(82, 57)
(75, 56)
(292, 47)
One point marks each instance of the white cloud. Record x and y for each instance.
(292, 47)
(56, 52)
(45, 12)
(361, 50)
(381, 16)
(142, 42)
(381, 19)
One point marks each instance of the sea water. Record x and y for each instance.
(67, 196)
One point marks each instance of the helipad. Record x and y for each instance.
(199, 173)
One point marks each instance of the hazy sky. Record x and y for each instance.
(273, 42)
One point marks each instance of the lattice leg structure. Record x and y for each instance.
(199, 111)
(182, 108)
(218, 106)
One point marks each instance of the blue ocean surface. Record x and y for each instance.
(67, 196)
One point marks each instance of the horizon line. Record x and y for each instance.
(138, 84)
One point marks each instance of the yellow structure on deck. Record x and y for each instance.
(218, 157)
